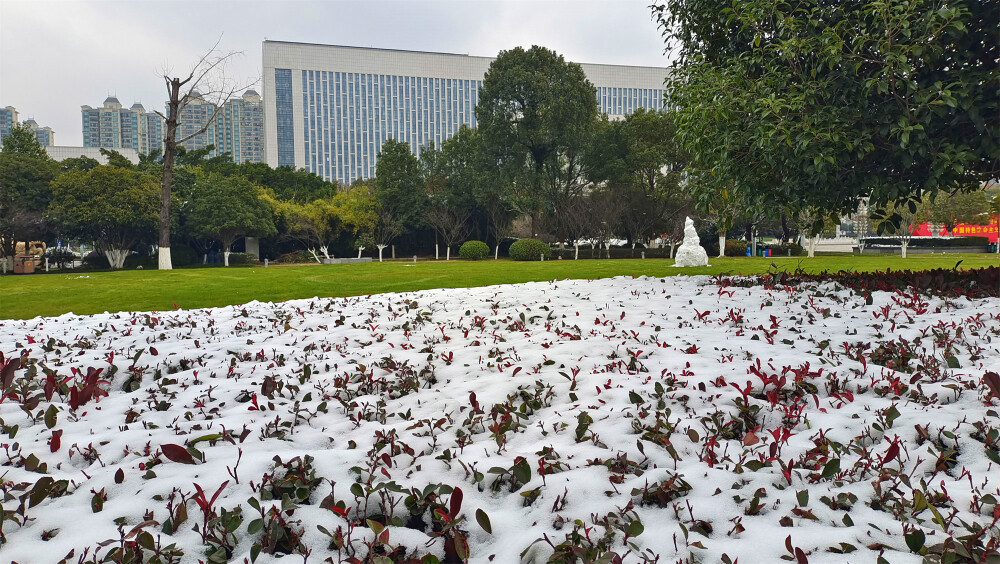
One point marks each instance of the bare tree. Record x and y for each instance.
(450, 224)
(207, 76)
(387, 227)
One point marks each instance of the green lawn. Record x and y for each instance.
(23, 297)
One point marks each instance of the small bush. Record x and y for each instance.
(474, 250)
(529, 249)
(237, 259)
(736, 247)
(295, 257)
(94, 259)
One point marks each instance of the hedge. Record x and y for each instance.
(474, 250)
(529, 249)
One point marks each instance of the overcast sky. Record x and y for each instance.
(57, 56)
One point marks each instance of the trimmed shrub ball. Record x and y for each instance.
(474, 250)
(529, 249)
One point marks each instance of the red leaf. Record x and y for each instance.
(119, 476)
(55, 441)
(153, 351)
(455, 504)
(177, 453)
(892, 453)
(800, 556)
(992, 381)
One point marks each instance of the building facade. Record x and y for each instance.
(8, 117)
(329, 109)
(236, 128)
(45, 136)
(113, 127)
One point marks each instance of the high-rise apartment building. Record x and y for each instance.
(46, 137)
(8, 117)
(236, 128)
(329, 109)
(114, 127)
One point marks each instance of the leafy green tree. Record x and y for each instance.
(116, 208)
(639, 159)
(25, 173)
(952, 209)
(78, 163)
(536, 114)
(316, 223)
(399, 186)
(22, 141)
(822, 104)
(116, 159)
(228, 209)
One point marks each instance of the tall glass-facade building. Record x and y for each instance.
(8, 117)
(113, 127)
(329, 109)
(45, 136)
(236, 128)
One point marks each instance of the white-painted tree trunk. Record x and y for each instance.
(163, 258)
(359, 251)
(576, 250)
(496, 253)
(902, 248)
(315, 256)
(380, 248)
(116, 258)
(722, 246)
(447, 253)
(225, 257)
(437, 252)
(672, 245)
(811, 243)
(326, 251)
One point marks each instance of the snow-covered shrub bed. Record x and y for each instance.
(679, 419)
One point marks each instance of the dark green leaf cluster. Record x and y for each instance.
(825, 103)
(529, 249)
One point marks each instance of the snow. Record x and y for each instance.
(626, 352)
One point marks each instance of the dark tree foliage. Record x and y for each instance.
(822, 103)
(25, 173)
(536, 115)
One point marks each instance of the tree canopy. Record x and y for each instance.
(822, 103)
(113, 206)
(228, 208)
(536, 115)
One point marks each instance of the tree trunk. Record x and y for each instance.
(447, 253)
(785, 234)
(116, 258)
(902, 248)
(394, 251)
(496, 253)
(225, 257)
(359, 251)
(722, 245)
(315, 256)
(576, 250)
(169, 155)
(380, 249)
(326, 251)
(437, 252)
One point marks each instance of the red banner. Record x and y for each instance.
(962, 230)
